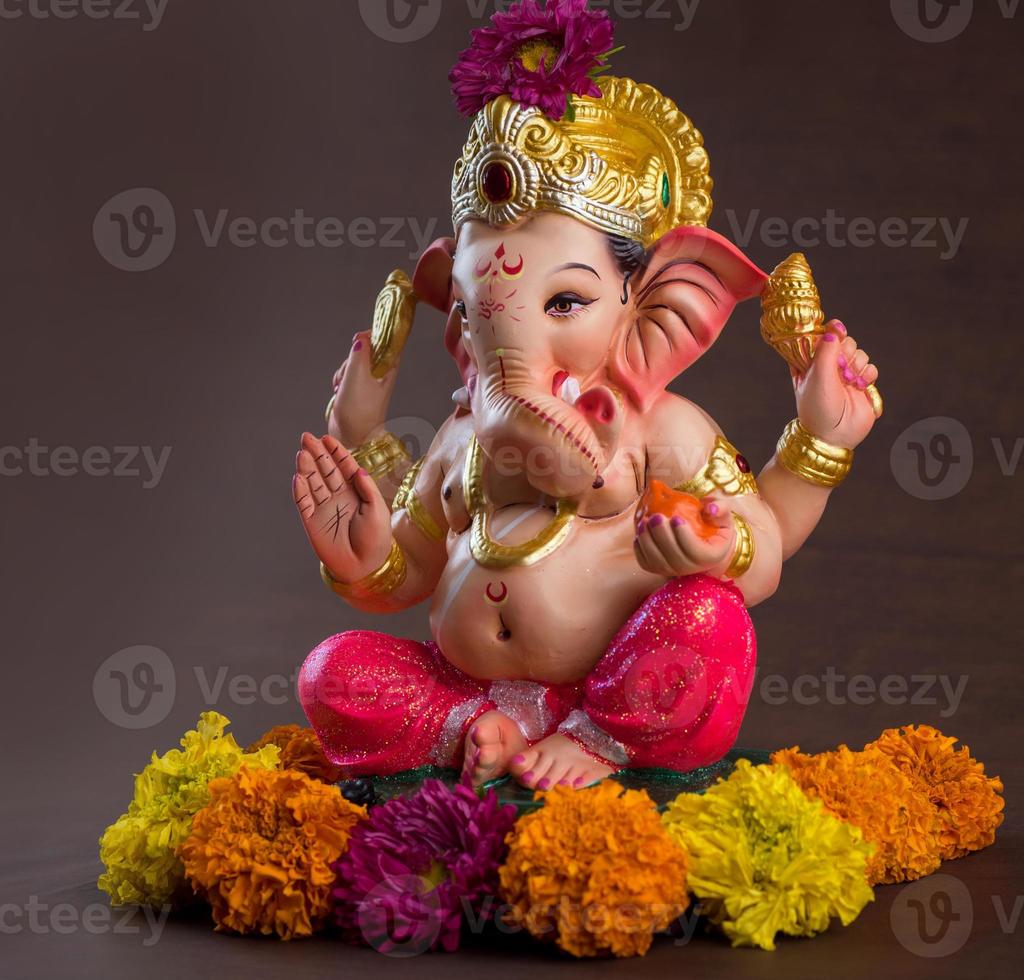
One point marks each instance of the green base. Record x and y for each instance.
(663, 785)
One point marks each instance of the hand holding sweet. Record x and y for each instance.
(675, 546)
(832, 397)
(346, 519)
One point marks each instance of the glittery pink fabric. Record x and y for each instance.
(671, 690)
(379, 703)
(674, 684)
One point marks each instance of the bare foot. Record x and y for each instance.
(491, 743)
(557, 761)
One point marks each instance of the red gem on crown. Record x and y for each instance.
(497, 182)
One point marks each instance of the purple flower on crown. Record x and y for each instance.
(538, 56)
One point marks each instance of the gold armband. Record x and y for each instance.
(408, 500)
(375, 588)
(812, 459)
(743, 557)
(379, 457)
(726, 470)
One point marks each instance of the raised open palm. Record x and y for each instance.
(346, 519)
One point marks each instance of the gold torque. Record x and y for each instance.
(721, 472)
(812, 459)
(490, 553)
(373, 590)
(392, 322)
(743, 557)
(379, 457)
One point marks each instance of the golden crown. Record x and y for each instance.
(629, 164)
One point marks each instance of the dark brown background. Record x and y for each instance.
(225, 354)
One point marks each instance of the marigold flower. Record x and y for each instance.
(138, 851)
(261, 852)
(868, 791)
(765, 859)
(969, 803)
(595, 870)
(301, 751)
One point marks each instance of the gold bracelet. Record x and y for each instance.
(743, 557)
(408, 482)
(375, 588)
(379, 457)
(812, 459)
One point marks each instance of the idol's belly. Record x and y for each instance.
(551, 621)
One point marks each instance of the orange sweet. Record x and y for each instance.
(662, 499)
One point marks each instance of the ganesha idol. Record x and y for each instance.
(589, 542)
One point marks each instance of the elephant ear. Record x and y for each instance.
(690, 284)
(432, 283)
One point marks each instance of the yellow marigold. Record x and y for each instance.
(595, 870)
(138, 851)
(261, 852)
(765, 859)
(970, 803)
(867, 790)
(300, 750)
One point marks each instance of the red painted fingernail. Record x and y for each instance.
(358, 345)
(829, 338)
(363, 472)
(677, 522)
(713, 509)
(842, 361)
(841, 326)
(641, 527)
(528, 776)
(578, 781)
(862, 384)
(544, 783)
(848, 375)
(563, 782)
(656, 521)
(518, 760)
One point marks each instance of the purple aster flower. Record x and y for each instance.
(417, 864)
(539, 56)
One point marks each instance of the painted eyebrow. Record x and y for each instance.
(574, 265)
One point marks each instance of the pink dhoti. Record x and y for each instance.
(670, 692)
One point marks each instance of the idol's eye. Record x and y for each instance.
(567, 305)
(460, 305)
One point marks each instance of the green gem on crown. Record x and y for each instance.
(666, 193)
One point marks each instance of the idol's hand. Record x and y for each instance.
(346, 519)
(674, 547)
(359, 407)
(833, 398)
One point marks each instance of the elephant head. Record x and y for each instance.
(561, 332)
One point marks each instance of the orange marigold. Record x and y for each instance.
(865, 789)
(300, 750)
(970, 803)
(595, 870)
(261, 852)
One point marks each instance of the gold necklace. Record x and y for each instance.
(490, 553)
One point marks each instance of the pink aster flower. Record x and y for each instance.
(418, 864)
(538, 56)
